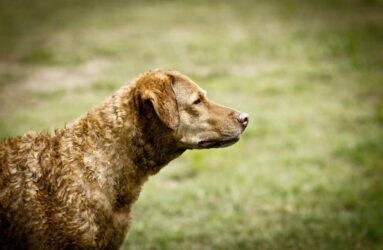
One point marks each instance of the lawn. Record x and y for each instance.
(308, 171)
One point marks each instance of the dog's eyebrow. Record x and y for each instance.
(195, 96)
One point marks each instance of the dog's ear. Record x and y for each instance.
(157, 88)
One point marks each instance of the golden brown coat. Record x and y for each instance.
(74, 188)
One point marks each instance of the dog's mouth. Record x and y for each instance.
(217, 143)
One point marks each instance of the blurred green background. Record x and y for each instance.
(308, 172)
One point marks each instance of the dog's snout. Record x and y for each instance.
(243, 118)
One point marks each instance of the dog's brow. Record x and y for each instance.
(194, 95)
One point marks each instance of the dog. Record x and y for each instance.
(74, 188)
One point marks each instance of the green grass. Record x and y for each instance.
(308, 171)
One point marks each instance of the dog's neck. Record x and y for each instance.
(124, 123)
(123, 132)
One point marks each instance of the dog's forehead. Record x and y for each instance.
(187, 85)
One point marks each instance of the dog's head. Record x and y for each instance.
(183, 107)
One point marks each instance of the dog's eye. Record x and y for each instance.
(197, 101)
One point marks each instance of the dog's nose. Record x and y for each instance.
(243, 118)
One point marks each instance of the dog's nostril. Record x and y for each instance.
(243, 118)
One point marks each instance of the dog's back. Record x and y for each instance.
(6, 239)
(24, 190)
(40, 198)
(50, 191)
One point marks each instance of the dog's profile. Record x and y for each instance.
(74, 188)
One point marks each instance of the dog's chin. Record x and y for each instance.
(217, 143)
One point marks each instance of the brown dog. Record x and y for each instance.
(73, 189)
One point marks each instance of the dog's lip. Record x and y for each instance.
(217, 143)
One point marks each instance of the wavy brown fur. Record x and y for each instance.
(74, 188)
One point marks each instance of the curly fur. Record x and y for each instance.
(74, 188)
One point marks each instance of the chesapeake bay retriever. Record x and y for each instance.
(74, 188)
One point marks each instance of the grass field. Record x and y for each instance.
(308, 172)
